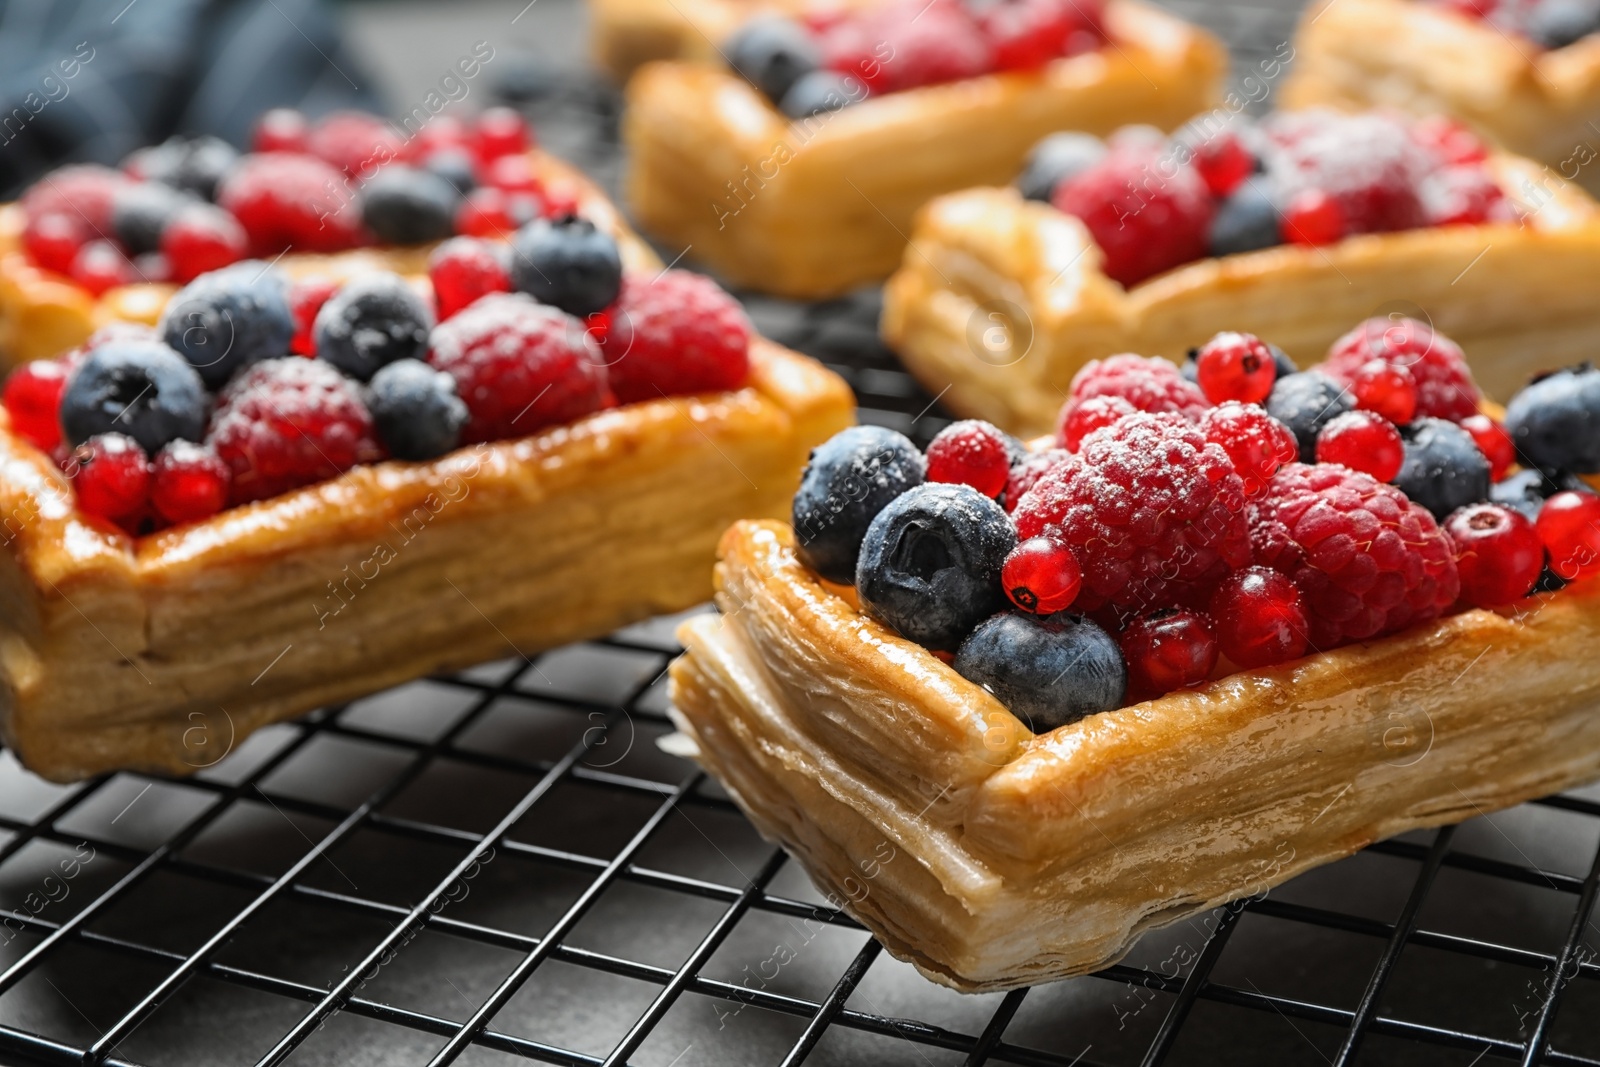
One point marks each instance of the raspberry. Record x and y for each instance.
(500, 131)
(189, 482)
(52, 240)
(1152, 385)
(1312, 217)
(1235, 366)
(1386, 388)
(306, 297)
(284, 423)
(355, 142)
(519, 366)
(282, 129)
(1027, 471)
(33, 400)
(971, 452)
(86, 191)
(1463, 196)
(929, 42)
(1260, 617)
(1445, 389)
(202, 238)
(461, 270)
(1363, 442)
(113, 479)
(1154, 513)
(1168, 649)
(486, 212)
(677, 333)
(100, 266)
(1027, 34)
(1143, 220)
(1498, 554)
(1041, 575)
(1448, 140)
(1257, 443)
(1367, 561)
(1079, 419)
(1569, 526)
(1493, 441)
(1367, 163)
(289, 201)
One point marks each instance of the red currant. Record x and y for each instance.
(1026, 34)
(189, 482)
(1260, 618)
(1498, 554)
(306, 297)
(560, 201)
(52, 240)
(1172, 648)
(1235, 366)
(512, 174)
(1569, 526)
(202, 238)
(501, 132)
(1084, 418)
(1362, 441)
(972, 453)
(463, 269)
(1257, 443)
(1494, 442)
(1386, 388)
(1223, 162)
(1041, 575)
(33, 400)
(113, 479)
(282, 129)
(1449, 140)
(442, 133)
(100, 265)
(486, 212)
(1313, 218)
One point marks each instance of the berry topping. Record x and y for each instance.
(849, 479)
(1558, 23)
(1260, 618)
(1171, 648)
(930, 563)
(407, 206)
(282, 129)
(1527, 490)
(355, 142)
(1026, 472)
(1247, 220)
(456, 166)
(1027, 34)
(100, 266)
(416, 410)
(486, 212)
(1445, 389)
(1224, 162)
(1079, 419)
(1152, 384)
(1048, 671)
(85, 191)
(193, 165)
(1493, 441)
(1306, 403)
(285, 201)
(675, 333)
(113, 479)
(500, 131)
(1387, 389)
(1041, 575)
(566, 263)
(463, 269)
(189, 482)
(971, 452)
(228, 319)
(285, 423)
(1153, 511)
(1368, 165)
(928, 42)
(1443, 469)
(1552, 421)
(1363, 442)
(1257, 443)
(1312, 217)
(1498, 554)
(820, 92)
(306, 297)
(519, 367)
(1449, 140)
(1463, 196)
(1235, 366)
(202, 238)
(1367, 561)
(33, 400)
(141, 389)
(1569, 526)
(371, 321)
(139, 212)
(52, 240)
(514, 175)
(1058, 158)
(772, 52)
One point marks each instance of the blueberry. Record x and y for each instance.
(372, 321)
(820, 92)
(849, 479)
(454, 165)
(1047, 671)
(140, 388)
(1055, 159)
(1558, 23)
(1555, 421)
(406, 206)
(1281, 361)
(416, 410)
(140, 212)
(772, 52)
(566, 263)
(229, 319)
(1305, 403)
(1443, 469)
(930, 563)
(1247, 219)
(1527, 490)
(192, 164)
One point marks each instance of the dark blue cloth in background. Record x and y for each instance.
(91, 80)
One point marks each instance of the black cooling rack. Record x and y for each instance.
(502, 867)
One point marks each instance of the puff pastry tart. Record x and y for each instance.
(1003, 298)
(801, 177)
(88, 245)
(204, 534)
(1170, 667)
(1527, 75)
(627, 34)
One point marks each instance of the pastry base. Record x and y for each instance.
(42, 314)
(1001, 300)
(162, 653)
(1420, 58)
(814, 208)
(993, 859)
